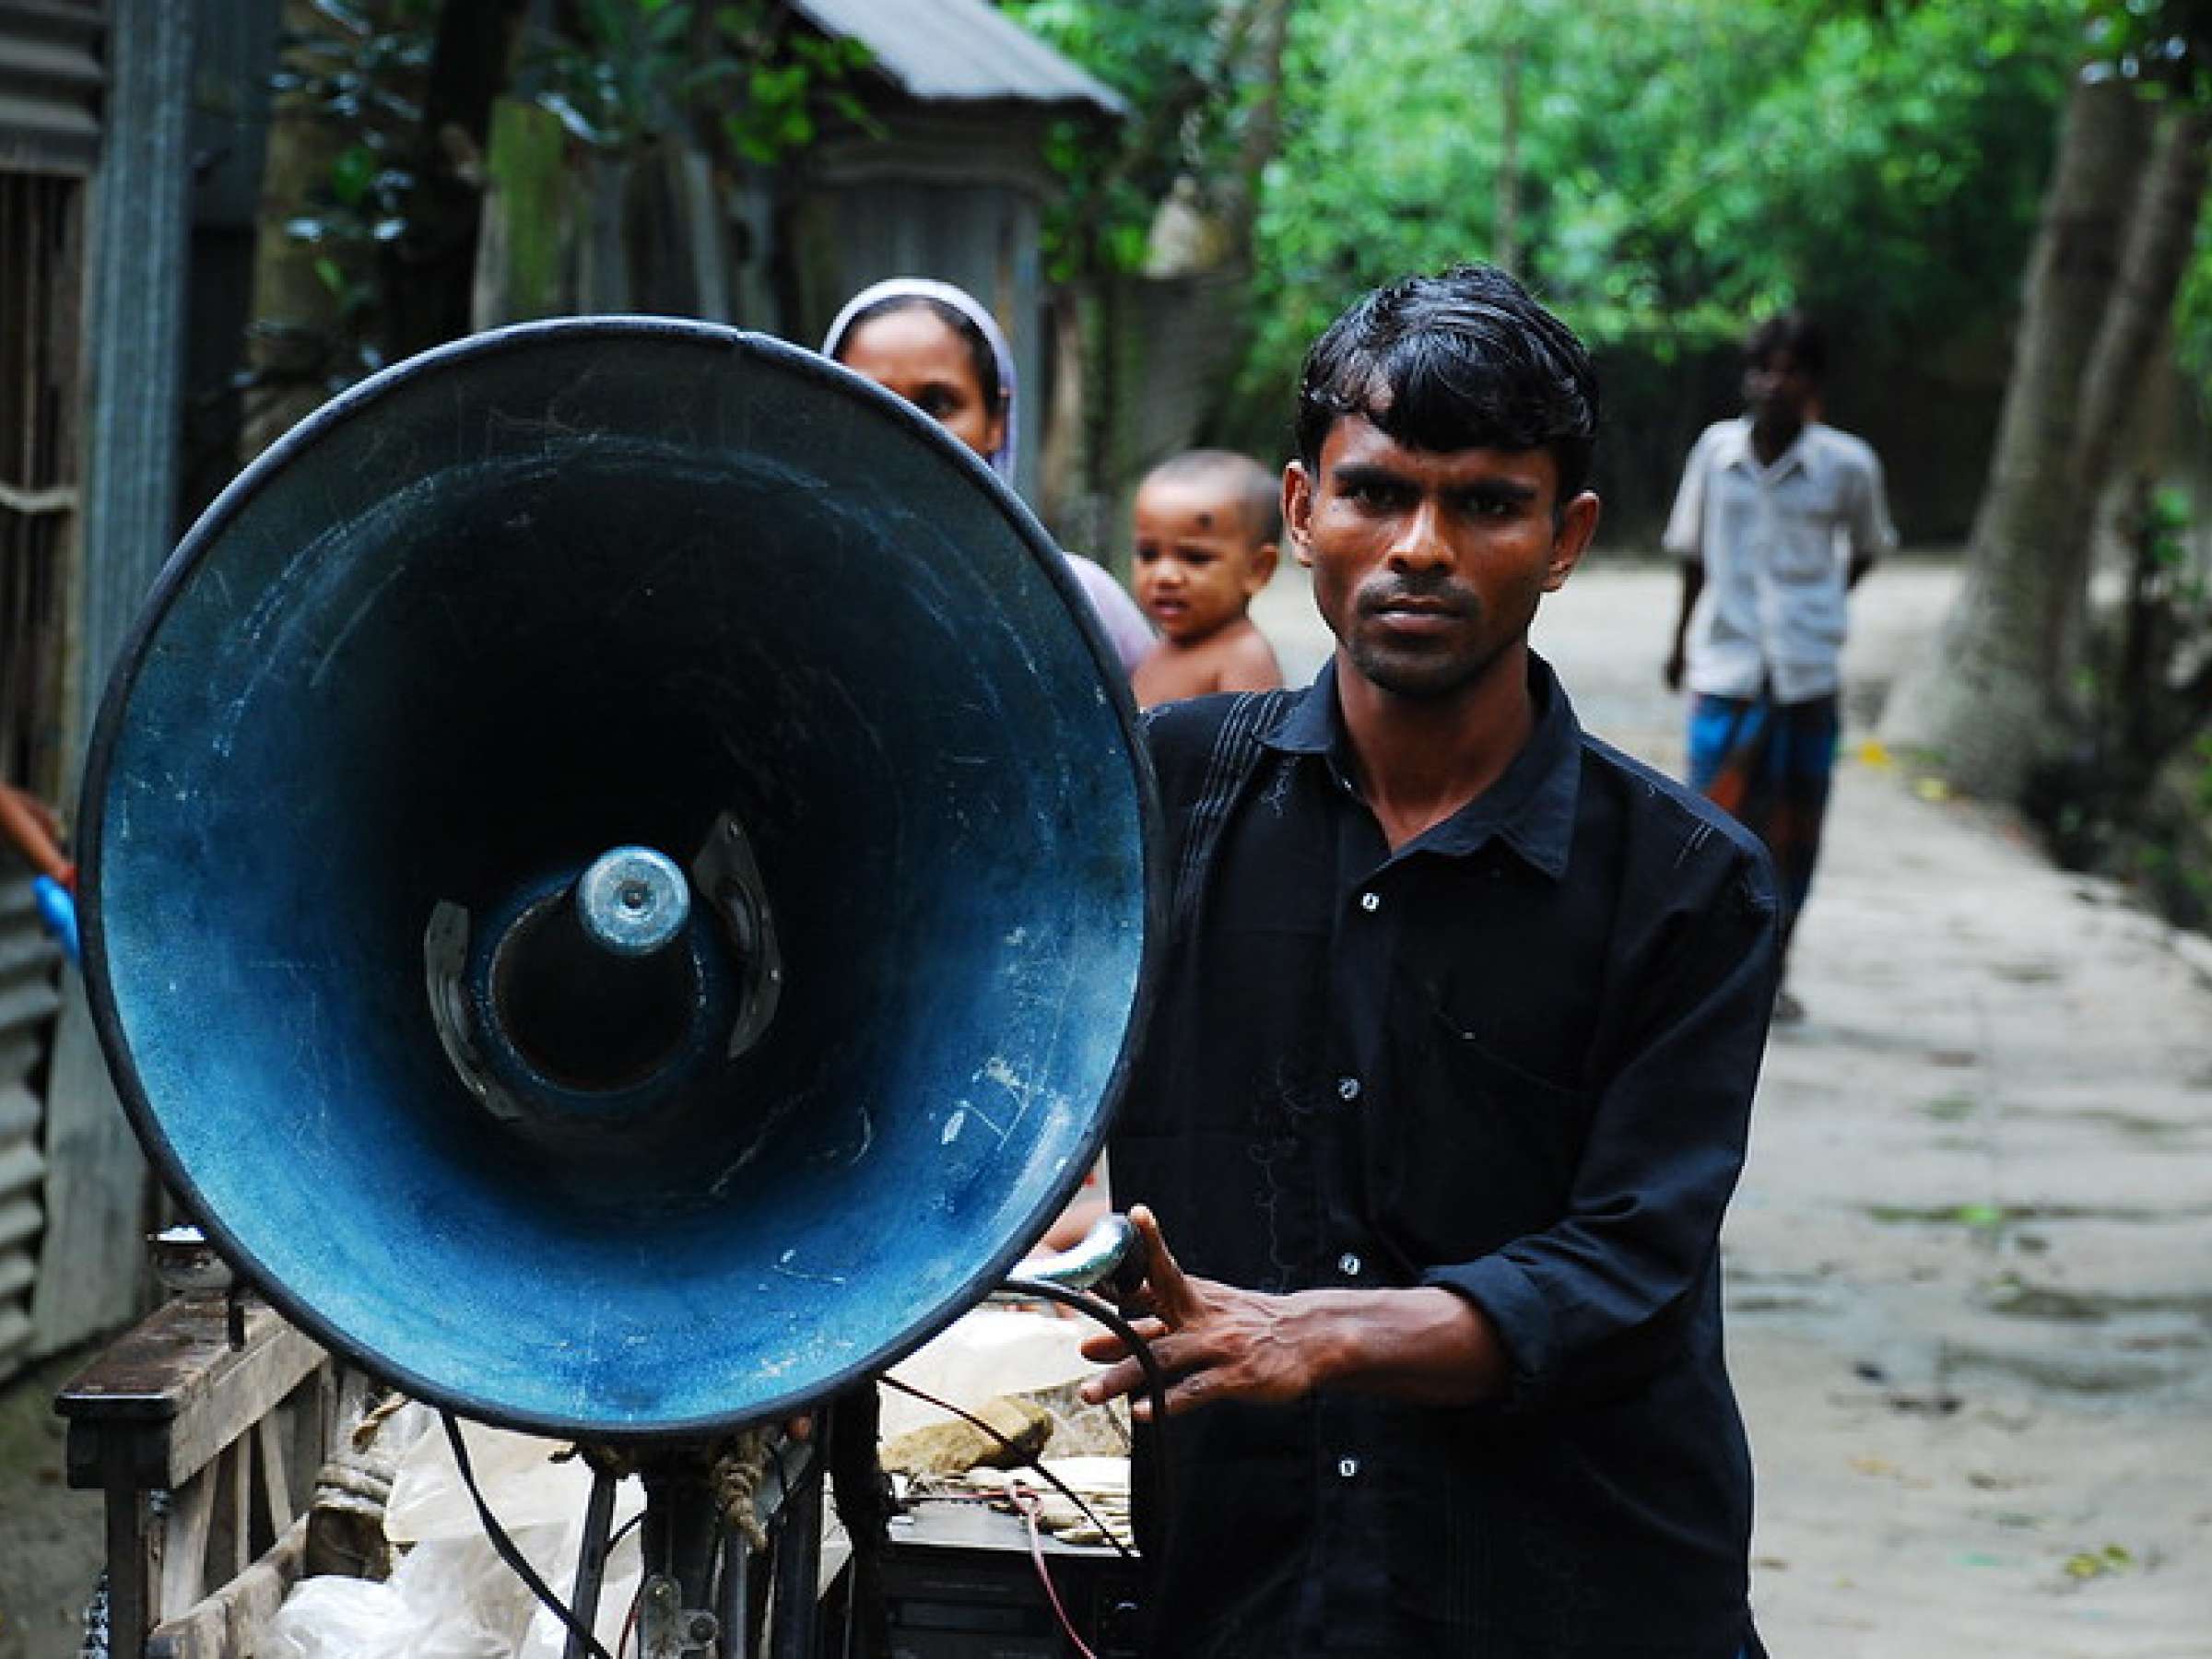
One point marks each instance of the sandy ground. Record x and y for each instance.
(1971, 1262)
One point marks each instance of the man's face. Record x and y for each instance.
(1777, 390)
(1428, 565)
(1196, 567)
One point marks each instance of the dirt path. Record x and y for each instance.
(1971, 1262)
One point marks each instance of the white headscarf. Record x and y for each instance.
(968, 306)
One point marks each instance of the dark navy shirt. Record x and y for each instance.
(1514, 1059)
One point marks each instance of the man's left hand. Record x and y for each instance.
(1214, 1341)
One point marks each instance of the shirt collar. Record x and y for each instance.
(1737, 450)
(1530, 808)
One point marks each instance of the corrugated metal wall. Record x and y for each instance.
(50, 85)
(27, 1001)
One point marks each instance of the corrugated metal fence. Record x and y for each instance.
(49, 85)
(27, 1001)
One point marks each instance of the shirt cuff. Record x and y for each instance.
(1508, 1297)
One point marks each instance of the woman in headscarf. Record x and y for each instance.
(936, 347)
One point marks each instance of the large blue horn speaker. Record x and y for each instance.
(616, 876)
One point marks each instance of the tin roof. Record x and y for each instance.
(959, 52)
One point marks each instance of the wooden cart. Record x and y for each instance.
(204, 1427)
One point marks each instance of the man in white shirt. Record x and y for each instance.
(1777, 519)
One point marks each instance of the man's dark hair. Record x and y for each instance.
(1796, 332)
(1464, 360)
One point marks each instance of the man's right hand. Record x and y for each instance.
(1672, 672)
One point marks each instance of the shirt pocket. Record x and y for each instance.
(1479, 1152)
(1807, 512)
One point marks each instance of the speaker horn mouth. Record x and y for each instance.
(565, 588)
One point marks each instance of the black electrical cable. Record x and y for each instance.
(1156, 1379)
(1027, 1462)
(504, 1546)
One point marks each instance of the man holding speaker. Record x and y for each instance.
(1450, 1073)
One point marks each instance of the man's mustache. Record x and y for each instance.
(1439, 594)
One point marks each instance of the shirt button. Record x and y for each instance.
(1347, 1089)
(1371, 903)
(1348, 1264)
(1348, 1466)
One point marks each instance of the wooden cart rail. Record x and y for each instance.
(207, 1452)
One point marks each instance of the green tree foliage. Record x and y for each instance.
(1685, 163)
(1680, 165)
(1179, 63)
(636, 72)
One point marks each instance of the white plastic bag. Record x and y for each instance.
(452, 1596)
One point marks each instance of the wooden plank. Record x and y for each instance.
(92, 1263)
(229, 1624)
(126, 1522)
(234, 1542)
(268, 1438)
(175, 1389)
(185, 1545)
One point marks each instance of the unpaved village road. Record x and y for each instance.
(1970, 1265)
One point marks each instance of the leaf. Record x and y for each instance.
(2100, 1563)
(579, 125)
(350, 174)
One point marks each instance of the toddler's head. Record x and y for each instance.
(1207, 523)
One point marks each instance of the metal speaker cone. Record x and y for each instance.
(616, 876)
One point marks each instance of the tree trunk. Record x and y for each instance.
(1978, 706)
(1260, 55)
(1268, 31)
(527, 243)
(434, 263)
(296, 314)
(2161, 234)
(1505, 218)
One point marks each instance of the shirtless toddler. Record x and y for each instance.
(1207, 526)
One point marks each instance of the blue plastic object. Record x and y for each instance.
(57, 908)
(562, 589)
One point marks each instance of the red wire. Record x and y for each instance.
(630, 1621)
(1026, 1502)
